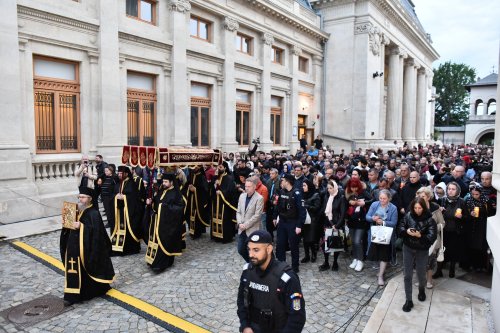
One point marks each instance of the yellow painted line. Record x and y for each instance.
(156, 312)
(122, 297)
(51, 260)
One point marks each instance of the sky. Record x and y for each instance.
(463, 31)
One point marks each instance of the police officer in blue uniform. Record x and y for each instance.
(269, 296)
(292, 215)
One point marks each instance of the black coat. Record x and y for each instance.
(312, 232)
(425, 224)
(339, 208)
(357, 219)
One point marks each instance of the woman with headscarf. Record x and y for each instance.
(439, 192)
(311, 232)
(333, 211)
(426, 194)
(475, 230)
(358, 200)
(454, 212)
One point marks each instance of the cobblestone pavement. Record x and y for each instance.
(201, 288)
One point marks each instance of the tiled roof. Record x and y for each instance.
(491, 79)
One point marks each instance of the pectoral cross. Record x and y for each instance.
(72, 262)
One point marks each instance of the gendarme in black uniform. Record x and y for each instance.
(270, 301)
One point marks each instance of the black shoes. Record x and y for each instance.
(421, 295)
(407, 307)
(305, 259)
(335, 266)
(313, 257)
(324, 267)
(296, 270)
(437, 275)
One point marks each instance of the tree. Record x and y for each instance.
(452, 107)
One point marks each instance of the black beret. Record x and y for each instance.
(168, 176)
(260, 237)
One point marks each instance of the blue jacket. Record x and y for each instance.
(392, 214)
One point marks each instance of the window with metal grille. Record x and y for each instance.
(141, 109)
(200, 115)
(276, 115)
(57, 105)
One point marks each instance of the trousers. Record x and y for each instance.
(286, 235)
(419, 257)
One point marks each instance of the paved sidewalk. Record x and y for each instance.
(451, 306)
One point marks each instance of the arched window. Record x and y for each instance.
(479, 107)
(492, 107)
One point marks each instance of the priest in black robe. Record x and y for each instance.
(165, 228)
(224, 205)
(126, 236)
(85, 253)
(198, 211)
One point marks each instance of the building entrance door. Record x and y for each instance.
(301, 124)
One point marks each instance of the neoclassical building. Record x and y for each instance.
(378, 61)
(89, 76)
(480, 128)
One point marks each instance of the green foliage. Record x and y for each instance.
(452, 108)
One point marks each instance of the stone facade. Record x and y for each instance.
(380, 87)
(480, 127)
(286, 78)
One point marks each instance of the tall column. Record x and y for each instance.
(402, 56)
(96, 128)
(265, 101)
(228, 121)
(14, 152)
(293, 142)
(409, 101)
(318, 79)
(421, 103)
(179, 115)
(114, 119)
(393, 92)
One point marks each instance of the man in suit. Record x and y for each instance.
(248, 215)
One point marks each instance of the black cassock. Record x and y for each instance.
(126, 236)
(197, 210)
(165, 229)
(224, 207)
(85, 254)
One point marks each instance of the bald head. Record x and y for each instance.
(486, 178)
(414, 177)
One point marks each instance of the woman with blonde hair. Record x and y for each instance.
(426, 194)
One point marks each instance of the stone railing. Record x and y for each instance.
(53, 170)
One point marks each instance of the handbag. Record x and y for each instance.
(440, 256)
(334, 240)
(308, 218)
(381, 234)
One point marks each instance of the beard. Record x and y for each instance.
(257, 262)
(81, 206)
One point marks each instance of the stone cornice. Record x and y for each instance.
(130, 57)
(404, 22)
(40, 15)
(217, 76)
(289, 18)
(247, 68)
(207, 57)
(144, 41)
(57, 42)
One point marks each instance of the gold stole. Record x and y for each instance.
(72, 267)
(118, 236)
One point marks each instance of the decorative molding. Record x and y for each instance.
(44, 16)
(57, 42)
(248, 69)
(268, 38)
(362, 28)
(422, 71)
(296, 50)
(56, 85)
(181, 6)
(143, 41)
(231, 24)
(376, 38)
(132, 93)
(23, 42)
(289, 18)
(206, 57)
(93, 57)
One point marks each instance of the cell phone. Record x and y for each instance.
(413, 230)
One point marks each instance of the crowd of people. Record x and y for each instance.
(435, 198)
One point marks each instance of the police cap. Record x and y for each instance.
(260, 237)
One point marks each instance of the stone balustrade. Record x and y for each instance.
(55, 170)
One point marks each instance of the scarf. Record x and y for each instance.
(472, 202)
(328, 209)
(454, 198)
